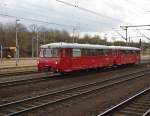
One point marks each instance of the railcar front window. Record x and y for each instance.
(42, 53)
(55, 52)
(48, 53)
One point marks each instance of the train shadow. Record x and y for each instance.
(81, 73)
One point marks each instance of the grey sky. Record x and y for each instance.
(122, 12)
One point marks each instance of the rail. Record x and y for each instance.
(118, 109)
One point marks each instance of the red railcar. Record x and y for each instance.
(67, 57)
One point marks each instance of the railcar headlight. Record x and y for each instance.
(38, 62)
(57, 61)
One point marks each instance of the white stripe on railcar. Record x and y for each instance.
(86, 46)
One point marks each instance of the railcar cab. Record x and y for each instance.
(126, 55)
(49, 58)
(130, 55)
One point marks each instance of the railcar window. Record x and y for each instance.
(100, 52)
(130, 52)
(127, 51)
(133, 51)
(55, 52)
(124, 51)
(48, 53)
(84, 52)
(76, 53)
(113, 52)
(103, 52)
(137, 52)
(88, 52)
(92, 52)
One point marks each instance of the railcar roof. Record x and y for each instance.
(86, 46)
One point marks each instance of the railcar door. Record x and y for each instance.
(116, 56)
(119, 57)
(111, 55)
(66, 63)
(101, 55)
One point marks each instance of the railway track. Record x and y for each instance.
(17, 73)
(14, 71)
(137, 105)
(40, 78)
(43, 77)
(30, 104)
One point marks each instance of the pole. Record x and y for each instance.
(37, 44)
(126, 35)
(129, 41)
(18, 53)
(149, 54)
(73, 34)
(32, 48)
(1, 53)
(16, 45)
(78, 25)
(44, 38)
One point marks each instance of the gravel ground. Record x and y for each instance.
(29, 90)
(93, 104)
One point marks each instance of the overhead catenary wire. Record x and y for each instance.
(36, 20)
(83, 23)
(143, 34)
(44, 22)
(135, 4)
(43, 8)
(41, 21)
(85, 19)
(90, 11)
(66, 25)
